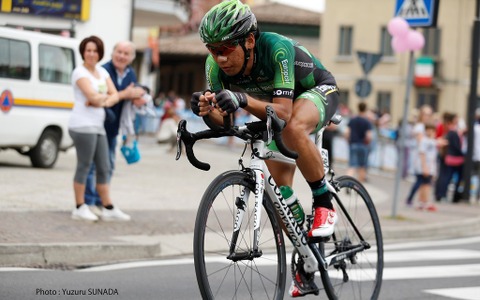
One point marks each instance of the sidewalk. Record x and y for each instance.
(162, 196)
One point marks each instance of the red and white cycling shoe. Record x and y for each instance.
(323, 222)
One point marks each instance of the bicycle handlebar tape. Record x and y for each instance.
(228, 122)
(194, 161)
(282, 148)
(211, 124)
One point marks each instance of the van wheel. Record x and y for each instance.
(45, 153)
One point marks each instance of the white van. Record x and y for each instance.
(36, 94)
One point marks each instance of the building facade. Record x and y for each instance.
(349, 26)
(97, 20)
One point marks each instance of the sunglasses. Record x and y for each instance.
(223, 49)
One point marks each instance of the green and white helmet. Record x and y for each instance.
(227, 20)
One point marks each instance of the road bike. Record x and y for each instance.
(239, 247)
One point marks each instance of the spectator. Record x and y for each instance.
(418, 131)
(442, 143)
(160, 100)
(124, 79)
(359, 135)
(476, 156)
(425, 169)
(454, 158)
(167, 131)
(408, 145)
(93, 90)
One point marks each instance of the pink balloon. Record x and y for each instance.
(415, 40)
(399, 44)
(398, 27)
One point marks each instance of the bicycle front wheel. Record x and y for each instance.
(245, 274)
(359, 275)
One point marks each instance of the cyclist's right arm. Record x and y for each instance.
(201, 102)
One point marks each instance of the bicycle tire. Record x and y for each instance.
(365, 270)
(221, 278)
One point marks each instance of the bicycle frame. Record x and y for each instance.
(264, 182)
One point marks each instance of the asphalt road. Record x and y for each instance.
(442, 269)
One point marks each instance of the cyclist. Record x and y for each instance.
(250, 69)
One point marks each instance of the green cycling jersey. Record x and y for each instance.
(282, 68)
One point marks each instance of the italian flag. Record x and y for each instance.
(423, 72)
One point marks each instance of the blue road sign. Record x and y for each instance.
(418, 13)
(363, 88)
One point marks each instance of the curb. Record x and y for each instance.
(74, 254)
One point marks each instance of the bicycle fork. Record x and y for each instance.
(240, 204)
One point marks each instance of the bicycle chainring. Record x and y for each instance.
(307, 280)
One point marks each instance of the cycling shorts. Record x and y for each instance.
(326, 98)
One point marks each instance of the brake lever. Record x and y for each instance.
(269, 129)
(181, 128)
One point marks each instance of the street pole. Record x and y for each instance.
(403, 133)
(472, 104)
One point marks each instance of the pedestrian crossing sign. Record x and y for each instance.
(418, 13)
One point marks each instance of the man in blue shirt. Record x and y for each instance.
(124, 78)
(359, 135)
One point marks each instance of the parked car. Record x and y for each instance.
(36, 94)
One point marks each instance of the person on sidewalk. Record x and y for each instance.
(359, 134)
(425, 169)
(454, 160)
(167, 130)
(442, 144)
(251, 70)
(418, 131)
(124, 80)
(93, 91)
(476, 157)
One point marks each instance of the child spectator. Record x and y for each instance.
(426, 168)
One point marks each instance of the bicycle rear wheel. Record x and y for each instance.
(250, 277)
(356, 276)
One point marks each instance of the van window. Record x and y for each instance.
(56, 64)
(15, 60)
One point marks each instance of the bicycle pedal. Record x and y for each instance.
(310, 289)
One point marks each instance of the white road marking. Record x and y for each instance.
(465, 293)
(424, 244)
(429, 255)
(450, 271)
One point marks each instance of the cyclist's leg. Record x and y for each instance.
(315, 107)
(311, 112)
(281, 172)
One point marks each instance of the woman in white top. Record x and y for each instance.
(93, 90)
